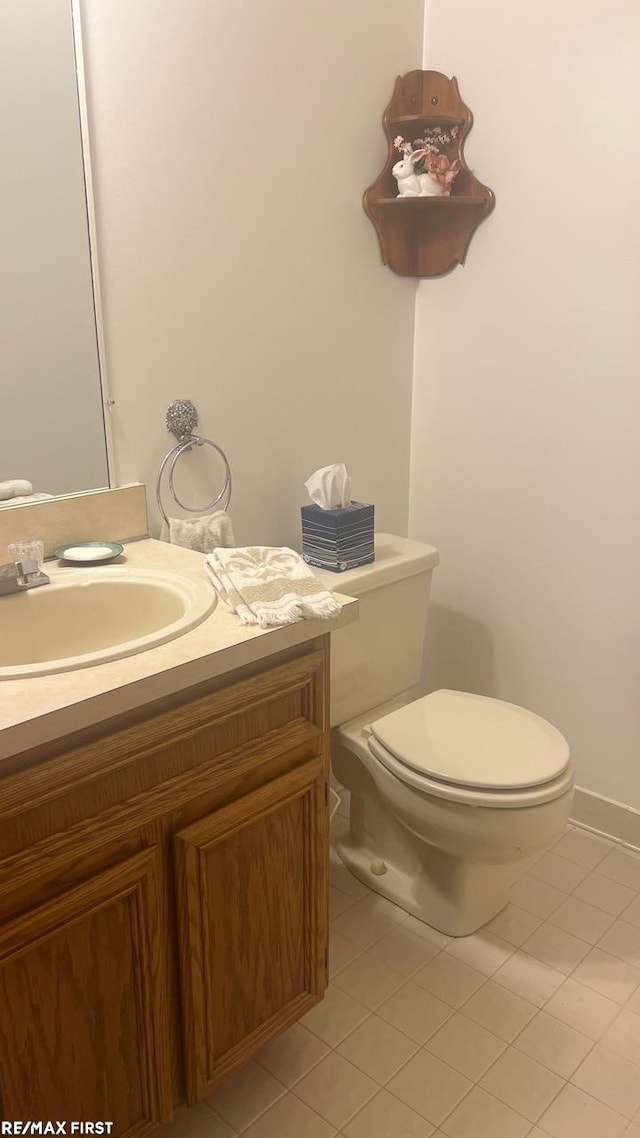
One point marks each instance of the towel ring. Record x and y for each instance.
(181, 418)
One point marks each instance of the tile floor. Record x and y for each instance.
(529, 1027)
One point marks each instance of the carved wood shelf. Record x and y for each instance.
(426, 236)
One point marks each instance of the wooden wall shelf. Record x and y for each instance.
(426, 237)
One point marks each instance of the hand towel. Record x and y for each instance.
(22, 500)
(14, 487)
(268, 586)
(203, 533)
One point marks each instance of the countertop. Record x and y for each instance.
(43, 708)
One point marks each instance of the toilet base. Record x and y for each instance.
(454, 896)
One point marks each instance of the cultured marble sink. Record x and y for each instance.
(88, 616)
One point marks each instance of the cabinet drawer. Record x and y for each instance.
(282, 708)
(251, 885)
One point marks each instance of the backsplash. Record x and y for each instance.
(98, 515)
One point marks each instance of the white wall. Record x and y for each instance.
(526, 412)
(231, 144)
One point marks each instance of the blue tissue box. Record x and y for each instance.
(338, 539)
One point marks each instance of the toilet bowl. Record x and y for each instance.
(447, 851)
(450, 793)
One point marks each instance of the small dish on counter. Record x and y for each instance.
(85, 552)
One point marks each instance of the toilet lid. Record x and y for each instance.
(470, 740)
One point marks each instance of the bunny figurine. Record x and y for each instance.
(429, 188)
(407, 179)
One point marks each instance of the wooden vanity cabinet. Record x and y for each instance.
(163, 896)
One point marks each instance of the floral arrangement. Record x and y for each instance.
(426, 155)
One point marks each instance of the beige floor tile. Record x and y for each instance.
(608, 975)
(583, 848)
(481, 1115)
(513, 925)
(558, 949)
(583, 1009)
(622, 940)
(622, 866)
(198, 1122)
(604, 894)
(632, 913)
(378, 1049)
(466, 1046)
(386, 1117)
(419, 928)
(633, 1005)
(339, 903)
(290, 1118)
(575, 1114)
(580, 919)
(482, 951)
(292, 1055)
(341, 952)
(500, 1011)
(449, 979)
(611, 1079)
(521, 1083)
(403, 951)
(535, 896)
(559, 872)
(429, 1086)
(369, 981)
(623, 1036)
(554, 1044)
(335, 1017)
(366, 921)
(415, 1012)
(347, 883)
(336, 1089)
(245, 1096)
(530, 978)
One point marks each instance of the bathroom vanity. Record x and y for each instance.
(163, 866)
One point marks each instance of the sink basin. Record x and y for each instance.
(88, 616)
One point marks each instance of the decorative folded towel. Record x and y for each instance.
(268, 586)
(14, 487)
(23, 499)
(204, 533)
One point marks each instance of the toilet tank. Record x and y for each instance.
(380, 655)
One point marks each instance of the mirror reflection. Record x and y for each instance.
(51, 426)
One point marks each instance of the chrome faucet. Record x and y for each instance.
(16, 576)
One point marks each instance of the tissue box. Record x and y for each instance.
(337, 539)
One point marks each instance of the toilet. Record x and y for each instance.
(450, 793)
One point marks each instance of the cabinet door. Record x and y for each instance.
(83, 1021)
(252, 897)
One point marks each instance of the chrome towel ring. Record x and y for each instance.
(181, 419)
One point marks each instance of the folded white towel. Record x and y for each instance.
(203, 533)
(22, 500)
(13, 487)
(268, 586)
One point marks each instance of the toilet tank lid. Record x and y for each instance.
(396, 557)
(474, 741)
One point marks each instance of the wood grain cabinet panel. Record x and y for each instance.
(163, 896)
(83, 1021)
(252, 898)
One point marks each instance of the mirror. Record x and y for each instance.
(52, 429)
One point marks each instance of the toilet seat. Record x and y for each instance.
(474, 750)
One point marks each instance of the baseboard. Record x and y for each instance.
(604, 816)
